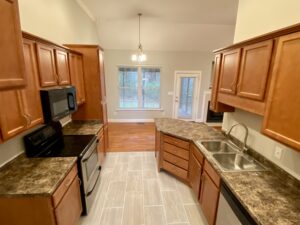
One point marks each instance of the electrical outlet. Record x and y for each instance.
(278, 152)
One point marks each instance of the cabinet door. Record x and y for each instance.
(12, 118)
(77, 79)
(254, 70)
(229, 71)
(69, 209)
(31, 93)
(12, 68)
(216, 74)
(195, 170)
(281, 120)
(46, 65)
(209, 198)
(62, 67)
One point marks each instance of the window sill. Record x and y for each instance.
(138, 109)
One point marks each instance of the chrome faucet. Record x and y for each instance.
(246, 134)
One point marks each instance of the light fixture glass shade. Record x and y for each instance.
(140, 57)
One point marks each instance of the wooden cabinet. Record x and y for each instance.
(281, 120)
(12, 68)
(214, 104)
(63, 207)
(31, 94)
(23, 108)
(101, 146)
(229, 71)
(12, 117)
(174, 156)
(254, 70)
(62, 67)
(210, 190)
(77, 76)
(158, 149)
(46, 65)
(106, 138)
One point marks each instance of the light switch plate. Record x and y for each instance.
(278, 152)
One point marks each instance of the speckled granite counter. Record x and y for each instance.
(33, 176)
(271, 197)
(82, 127)
(187, 130)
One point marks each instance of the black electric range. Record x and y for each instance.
(49, 141)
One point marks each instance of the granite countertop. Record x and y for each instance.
(270, 197)
(33, 176)
(82, 127)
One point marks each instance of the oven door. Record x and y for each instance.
(90, 167)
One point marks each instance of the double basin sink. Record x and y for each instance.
(229, 157)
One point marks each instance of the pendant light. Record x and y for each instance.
(139, 56)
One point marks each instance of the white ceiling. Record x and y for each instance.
(166, 25)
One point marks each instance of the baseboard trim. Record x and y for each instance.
(131, 120)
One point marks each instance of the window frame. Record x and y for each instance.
(140, 88)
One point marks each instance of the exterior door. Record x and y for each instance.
(187, 85)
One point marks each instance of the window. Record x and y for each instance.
(139, 88)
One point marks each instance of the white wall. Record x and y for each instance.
(60, 21)
(256, 17)
(169, 63)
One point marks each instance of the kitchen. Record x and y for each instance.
(69, 173)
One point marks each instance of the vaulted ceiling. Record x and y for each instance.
(166, 25)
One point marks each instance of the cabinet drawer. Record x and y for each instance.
(175, 170)
(212, 173)
(69, 209)
(63, 187)
(176, 141)
(198, 155)
(176, 151)
(176, 160)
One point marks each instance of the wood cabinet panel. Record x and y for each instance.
(64, 186)
(31, 93)
(254, 70)
(12, 117)
(175, 170)
(12, 67)
(69, 209)
(106, 138)
(184, 164)
(176, 141)
(62, 67)
(209, 198)
(158, 151)
(212, 173)
(180, 152)
(281, 120)
(46, 65)
(195, 170)
(77, 76)
(229, 71)
(199, 156)
(101, 146)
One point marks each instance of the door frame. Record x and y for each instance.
(198, 74)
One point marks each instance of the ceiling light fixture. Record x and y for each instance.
(139, 56)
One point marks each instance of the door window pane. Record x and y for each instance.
(128, 87)
(185, 110)
(150, 88)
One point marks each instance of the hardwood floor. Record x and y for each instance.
(125, 137)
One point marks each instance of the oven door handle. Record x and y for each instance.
(91, 191)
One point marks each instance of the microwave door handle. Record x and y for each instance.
(73, 105)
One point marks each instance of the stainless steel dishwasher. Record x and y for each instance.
(230, 210)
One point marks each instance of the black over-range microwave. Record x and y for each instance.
(58, 102)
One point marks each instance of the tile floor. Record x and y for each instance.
(132, 192)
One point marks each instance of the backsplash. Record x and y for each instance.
(290, 158)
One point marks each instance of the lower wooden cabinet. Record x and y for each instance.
(101, 146)
(62, 208)
(195, 170)
(106, 138)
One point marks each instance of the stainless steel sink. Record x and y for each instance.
(237, 162)
(218, 146)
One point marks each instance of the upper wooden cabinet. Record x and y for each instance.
(254, 70)
(229, 71)
(12, 68)
(62, 67)
(281, 120)
(77, 76)
(46, 65)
